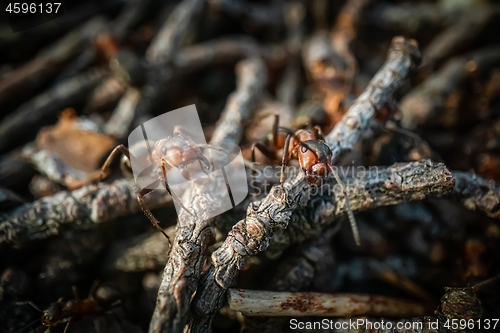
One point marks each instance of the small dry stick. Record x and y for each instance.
(460, 36)
(423, 105)
(166, 43)
(35, 73)
(86, 206)
(274, 303)
(477, 193)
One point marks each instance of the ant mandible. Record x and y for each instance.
(176, 151)
(314, 156)
(67, 311)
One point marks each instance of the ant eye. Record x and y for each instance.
(303, 149)
(164, 150)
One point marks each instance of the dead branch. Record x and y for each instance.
(273, 303)
(252, 14)
(144, 252)
(426, 103)
(119, 123)
(403, 54)
(230, 126)
(86, 207)
(477, 193)
(166, 43)
(35, 73)
(196, 57)
(459, 37)
(49, 103)
(330, 60)
(181, 274)
(381, 186)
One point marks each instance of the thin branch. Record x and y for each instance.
(35, 73)
(273, 303)
(28, 116)
(181, 274)
(477, 193)
(425, 104)
(403, 54)
(166, 43)
(460, 36)
(86, 206)
(379, 186)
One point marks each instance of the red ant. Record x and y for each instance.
(314, 156)
(176, 151)
(67, 311)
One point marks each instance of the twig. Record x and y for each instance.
(28, 115)
(273, 213)
(460, 36)
(477, 193)
(35, 73)
(161, 54)
(425, 104)
(142, 253)
(166, 43)
(414, 18)
(196, 57)
(181, 274)
(119, 123)
(403, 54)
(273, 303)
(330, 60)
(86, 206)
(380, 186)
(225, 50)
(252, 14)
(252, 75)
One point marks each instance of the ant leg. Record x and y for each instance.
(271, 155)
(67, 325)
(75, 293)
(93, 288)
(148, 213)
(106, 168)
(318, 133)
(276, 131)
(285, 158)
(350, 214)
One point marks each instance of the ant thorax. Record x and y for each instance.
(178, 151)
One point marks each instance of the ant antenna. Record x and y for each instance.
(25, 327)
(350, 214)
(485, 282)
(28, 303)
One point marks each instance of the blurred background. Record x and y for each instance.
(72, 89)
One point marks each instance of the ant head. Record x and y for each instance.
(314, 158)
(53, 314)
